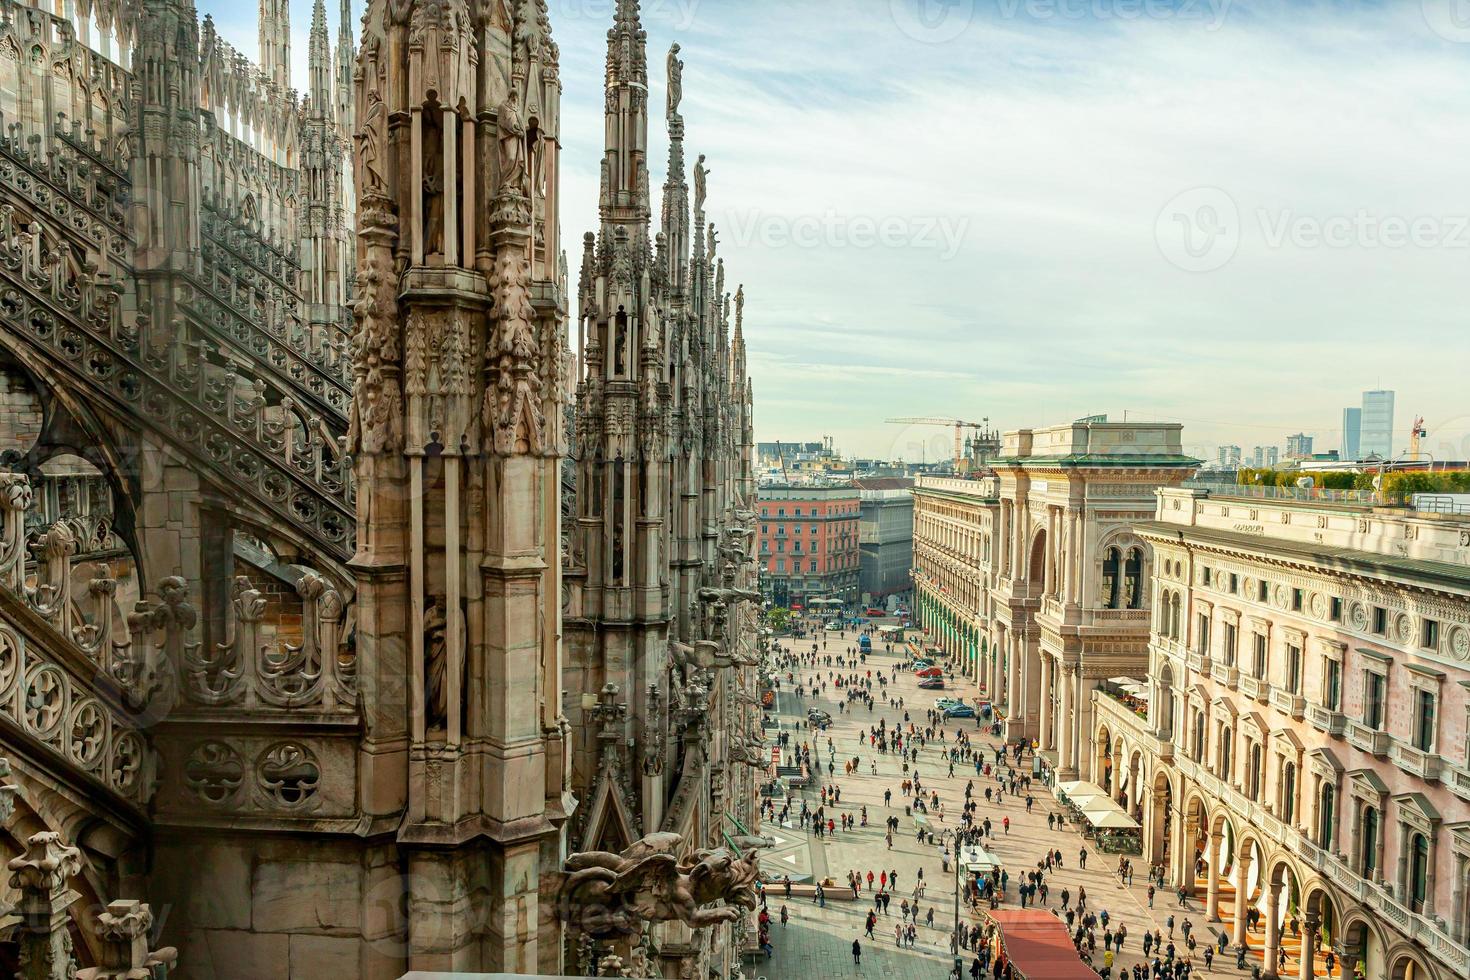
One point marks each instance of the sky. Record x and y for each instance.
(1235, 214)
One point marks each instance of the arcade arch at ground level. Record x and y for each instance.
(1241, 877)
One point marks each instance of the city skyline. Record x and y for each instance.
(968, 325)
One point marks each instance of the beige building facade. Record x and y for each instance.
(1033, 576)
(1301, 744)
(1069, 599)
(954, 534)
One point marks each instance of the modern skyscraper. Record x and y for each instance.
(1352, 431)
(1263, 456)
(1229, 457)
(1377, 429)
(1298, 446)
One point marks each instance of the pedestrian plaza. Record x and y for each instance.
(817, 939)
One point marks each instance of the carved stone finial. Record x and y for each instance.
(124, 929)
(41, 875)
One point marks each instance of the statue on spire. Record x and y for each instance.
(676, 81)
(700, 187)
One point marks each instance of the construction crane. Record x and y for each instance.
(785, 478)
(1417, 433)
(959, 427)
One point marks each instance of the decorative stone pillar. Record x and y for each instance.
(1047, 670)
(1212, 887)
(41, 875)
(1086, 758)
(1066, 760)
(1310, 925)
(1242, 881)
(1273, 927)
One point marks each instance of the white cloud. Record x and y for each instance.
(1055, 141)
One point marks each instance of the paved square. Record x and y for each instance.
(818, 941)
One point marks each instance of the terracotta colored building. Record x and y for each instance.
(809, 542)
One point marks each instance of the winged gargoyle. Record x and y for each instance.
(615, 894)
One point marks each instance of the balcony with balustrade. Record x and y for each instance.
(1255, 688)
(1292, 705)
(1374, 741)
(1425, 765)
(1228, 675)
(1327, 720)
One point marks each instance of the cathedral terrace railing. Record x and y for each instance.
(179, 382)
(85, 678)
(67, 681)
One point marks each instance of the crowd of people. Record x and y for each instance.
(998, 782)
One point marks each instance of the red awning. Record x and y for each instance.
(1038, 946)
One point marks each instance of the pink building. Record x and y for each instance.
(1299, 745)
(809, 542)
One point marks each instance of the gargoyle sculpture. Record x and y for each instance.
(725, 596)
(606, 894)
(749, 842)
(750, 751)
(704, 654)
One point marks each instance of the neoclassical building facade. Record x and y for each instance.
(954, 531)
(1033, 576)
(1069, 599)
(1303, 744)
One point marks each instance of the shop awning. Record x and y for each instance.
(1100, 804)
(1111, 820)
(1038, 947)
(1083, 801)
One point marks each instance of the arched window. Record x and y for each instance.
(1288, 793)
(1418, 871)
(1199, 735)
(1253, 775)
(1166, 702)
(1227, 746)
(1326, 815)
(1110, 569)
(1368, 844)
(1133, 579)
(1177, 618)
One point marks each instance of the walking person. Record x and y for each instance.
(857, 953)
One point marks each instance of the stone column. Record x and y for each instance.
(1049, 561)
(1045, 736)
(1013, 676)
(1429, 878)
(1212, 888)
(1242, 882)
(1074, 552)
(41, 874)
(1273, 926)
(995, 671)
(1086, 757)
(1310, 925)
(1066, 760)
